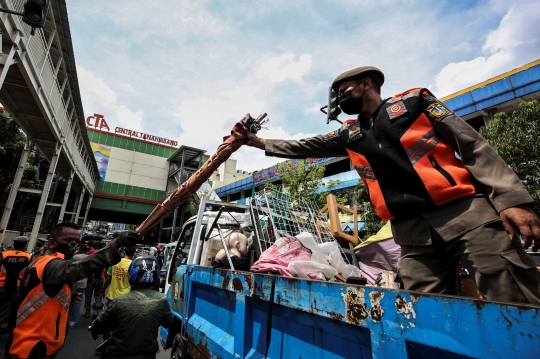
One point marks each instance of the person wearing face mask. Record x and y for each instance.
(39, 318)
(442, 209)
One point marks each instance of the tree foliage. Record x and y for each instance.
(302, 179)
(372, 222)
(516, 137)
(12, 142)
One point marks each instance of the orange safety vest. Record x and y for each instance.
(12, 268)
(40, 317)
(407, 168)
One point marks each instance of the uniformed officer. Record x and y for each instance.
(443, 209)
(39, 319)
(12, 264)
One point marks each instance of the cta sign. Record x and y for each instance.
(98, 122)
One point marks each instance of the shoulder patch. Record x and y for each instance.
(354, 132)
(332, 134)
(396, 110)
(438, 110)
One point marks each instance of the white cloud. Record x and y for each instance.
(189, 70)
(98, 97)
(313, 110)
(284, 67)
(254, 159)
(515, 42)
(205, 120)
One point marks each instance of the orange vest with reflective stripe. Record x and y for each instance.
(12, 268)
(40, 317)
(407, 168)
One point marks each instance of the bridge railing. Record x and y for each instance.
(59, 108)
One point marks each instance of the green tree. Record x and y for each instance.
(301, 180)
(516, 137)
(12, 142)
(372, 222)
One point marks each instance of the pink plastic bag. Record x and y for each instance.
(279, 255)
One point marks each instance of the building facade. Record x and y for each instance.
(137, 171)
(133, 173)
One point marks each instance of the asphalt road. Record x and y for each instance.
(80, 344)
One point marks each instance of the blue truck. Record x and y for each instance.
(223, 313)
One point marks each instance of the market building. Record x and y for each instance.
(137, 171)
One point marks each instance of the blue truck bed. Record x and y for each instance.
(227, 315)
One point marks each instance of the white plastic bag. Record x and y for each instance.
(312, 270)
(308, 241)
(331, 250)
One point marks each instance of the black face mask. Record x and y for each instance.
(350, 105)
(64, 247)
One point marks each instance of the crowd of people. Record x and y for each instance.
(41, 295)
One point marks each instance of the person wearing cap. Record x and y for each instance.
(443, 209)
(38, 321)
(38, 249)
(12, 264)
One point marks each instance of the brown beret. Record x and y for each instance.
(363, 71)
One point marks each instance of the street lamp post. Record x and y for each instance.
(34, 14)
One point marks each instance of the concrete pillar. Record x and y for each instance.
(487, 116)
(66, 197)
(81, 199)
(49, 207)
(87, 210)
(44, 197)
(75, 205)
(14, 188)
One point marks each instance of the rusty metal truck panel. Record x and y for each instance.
(226, 314)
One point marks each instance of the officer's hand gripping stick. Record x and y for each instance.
(254, 125)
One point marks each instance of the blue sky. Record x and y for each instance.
(188, 70)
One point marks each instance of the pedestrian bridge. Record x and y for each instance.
(40, 90)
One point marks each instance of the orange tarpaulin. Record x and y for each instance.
(179, 196)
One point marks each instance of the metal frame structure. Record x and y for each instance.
(190, 160)
(278, 214)
(39, 88)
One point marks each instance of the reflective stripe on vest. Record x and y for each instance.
(443, 175)
(361, 165)
(41, 298)
(40, 317)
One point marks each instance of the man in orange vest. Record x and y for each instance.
(12, 264)
(443, 209)
(39, 319)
